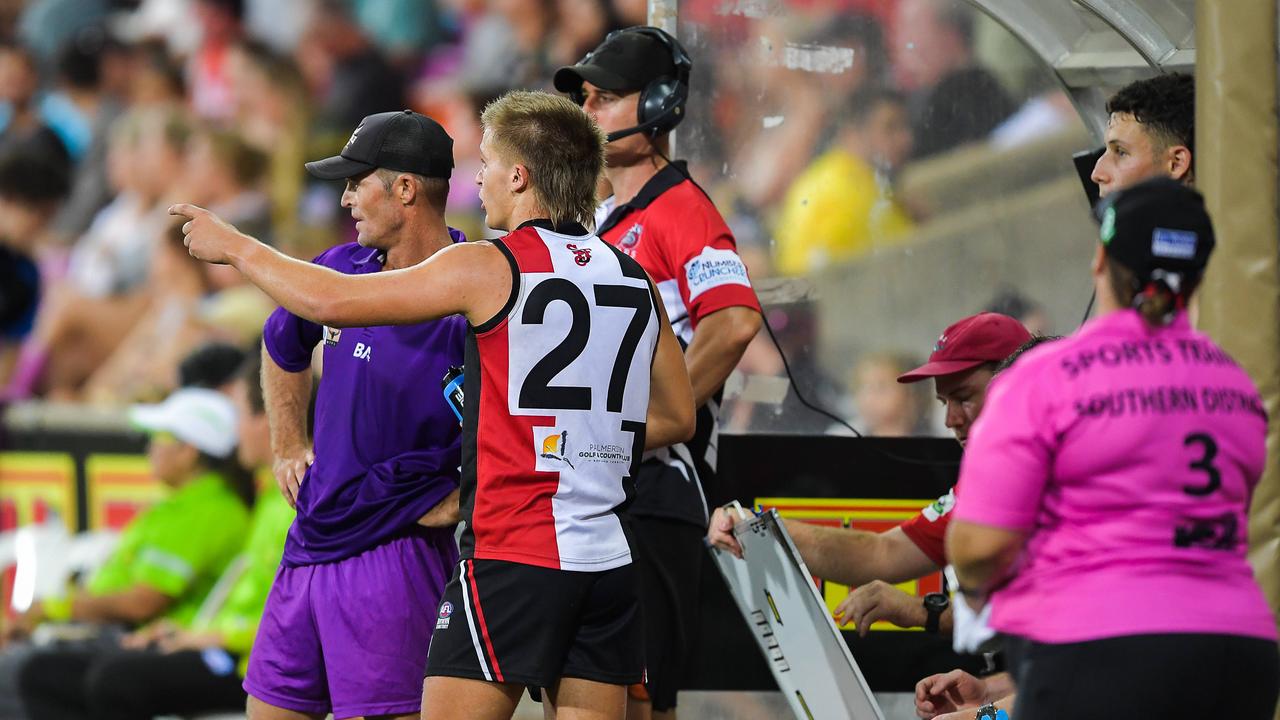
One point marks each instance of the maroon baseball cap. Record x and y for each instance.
(968, 343)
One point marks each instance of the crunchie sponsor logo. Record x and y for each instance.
(713, 268)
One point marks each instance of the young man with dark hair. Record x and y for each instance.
(571, 373)
(634, 86)
(1151, 130)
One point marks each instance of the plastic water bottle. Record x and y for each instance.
(452, 387)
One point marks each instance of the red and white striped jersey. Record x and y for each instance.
(556, 395)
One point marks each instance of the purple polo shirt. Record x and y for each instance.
(387, 446)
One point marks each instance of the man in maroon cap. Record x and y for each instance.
(962, 364)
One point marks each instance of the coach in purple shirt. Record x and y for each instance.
(350, 616)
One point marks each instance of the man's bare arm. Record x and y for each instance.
(136, 605)
(982, 556)
(717, 346)
(472, 279)
(856, 557)
(844, 555)
(288, 398)
(671, 417)
(445, 513)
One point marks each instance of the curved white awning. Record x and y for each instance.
(1094, 46)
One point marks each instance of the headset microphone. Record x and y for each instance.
(627, 132)
(651, 127)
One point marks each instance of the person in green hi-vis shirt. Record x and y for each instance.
(168, 669)
(170, 555)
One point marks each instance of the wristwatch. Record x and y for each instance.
(934, 605)
(988, 712)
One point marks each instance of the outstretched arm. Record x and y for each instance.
(845, 555)
(856, 557)
(472, 279)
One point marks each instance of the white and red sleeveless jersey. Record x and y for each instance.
(556, 394)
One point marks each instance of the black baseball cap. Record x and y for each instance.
(1157, 225)
(625, 62)
(403, 140)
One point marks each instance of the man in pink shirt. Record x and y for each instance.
(1104, 495)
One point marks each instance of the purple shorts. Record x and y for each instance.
(351, 637)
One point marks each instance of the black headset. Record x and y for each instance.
(661, 106)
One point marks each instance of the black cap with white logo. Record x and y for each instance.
(1157, 227)
(404, 140)
(624, 62)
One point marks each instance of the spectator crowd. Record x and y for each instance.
(113, 110)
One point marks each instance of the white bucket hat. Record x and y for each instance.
(204, 419)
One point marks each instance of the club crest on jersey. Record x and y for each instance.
(332, 336)
(556, 447)
(582, 256)
(442, 619)
(632, 237)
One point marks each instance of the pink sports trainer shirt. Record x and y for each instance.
(1129, 454)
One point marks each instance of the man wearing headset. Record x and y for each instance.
(635, 85)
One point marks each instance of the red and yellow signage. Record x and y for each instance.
(874, 515)
(35, 487)
(119, 487)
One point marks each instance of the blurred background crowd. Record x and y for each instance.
(840, 138)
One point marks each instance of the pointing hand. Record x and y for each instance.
(207, 236)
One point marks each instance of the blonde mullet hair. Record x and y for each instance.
(558, 143)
